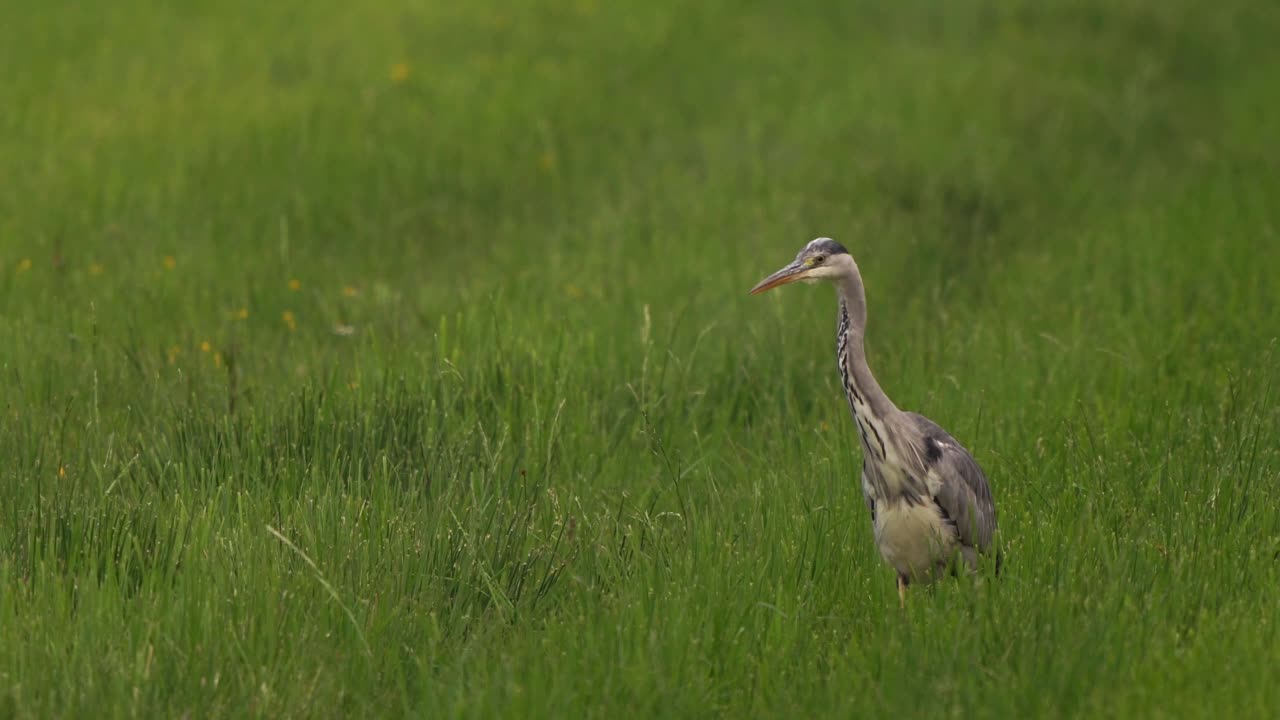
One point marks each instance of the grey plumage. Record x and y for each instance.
(967, 501)
(930, 502)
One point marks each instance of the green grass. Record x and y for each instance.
(519, 443)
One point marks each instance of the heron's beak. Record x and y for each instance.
(789, 274)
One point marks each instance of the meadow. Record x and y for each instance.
(396, 359)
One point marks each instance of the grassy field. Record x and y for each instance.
(396, 359)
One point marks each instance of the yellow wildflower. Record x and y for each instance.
(62, 471)
(169, 262)
(205, 346)
(400, 72)
(295, 285)
(289, 320)
(95, 269)
(242, 314)
(24, 265)
(217, 359)
(350, 291)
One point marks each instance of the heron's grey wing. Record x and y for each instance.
(962, 491)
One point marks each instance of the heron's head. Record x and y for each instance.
(821, 259)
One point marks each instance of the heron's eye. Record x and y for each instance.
(817, 259)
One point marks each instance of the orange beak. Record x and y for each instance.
(788, 274)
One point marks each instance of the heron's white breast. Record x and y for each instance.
(913, 538)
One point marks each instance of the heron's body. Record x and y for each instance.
(930, 503)
(916, 533)
(914, 538)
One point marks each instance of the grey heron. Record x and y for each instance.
(931, 506)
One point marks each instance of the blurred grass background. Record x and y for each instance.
(396, 358)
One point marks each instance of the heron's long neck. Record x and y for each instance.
(867, 400)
